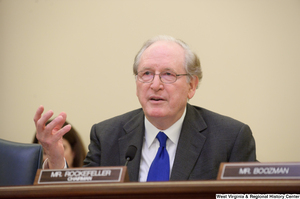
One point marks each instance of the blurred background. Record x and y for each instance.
(76, 56)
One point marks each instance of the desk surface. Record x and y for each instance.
(180, 189)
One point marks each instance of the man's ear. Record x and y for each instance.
(193, 86)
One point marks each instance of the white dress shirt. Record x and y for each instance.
(151, 145)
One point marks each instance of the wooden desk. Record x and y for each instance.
(182, 189)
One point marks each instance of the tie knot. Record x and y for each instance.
(162, 138)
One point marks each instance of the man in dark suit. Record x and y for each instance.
(196, 140)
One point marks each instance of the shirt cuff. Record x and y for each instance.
(46, 166)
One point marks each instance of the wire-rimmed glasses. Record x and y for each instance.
(167, 77)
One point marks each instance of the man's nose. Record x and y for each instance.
(156, 83)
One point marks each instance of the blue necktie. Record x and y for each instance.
(160, 167)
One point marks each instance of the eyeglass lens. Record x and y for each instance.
(166, 76)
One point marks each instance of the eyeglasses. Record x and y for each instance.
(166, 77)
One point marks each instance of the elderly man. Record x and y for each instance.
(174, 140)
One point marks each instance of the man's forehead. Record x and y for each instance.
(163, 51)
(166, 45)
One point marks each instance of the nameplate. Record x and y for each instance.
(236, 171)
(81, 175)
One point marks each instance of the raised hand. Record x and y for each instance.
(50, 136)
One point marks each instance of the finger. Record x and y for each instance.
(61, 123)
(38, 114)
(63, 131)
(41, 123)
(55, 124)
(60, 133)
(64, 115)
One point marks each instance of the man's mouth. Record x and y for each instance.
(156, 99)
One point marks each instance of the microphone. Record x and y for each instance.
(130, 153)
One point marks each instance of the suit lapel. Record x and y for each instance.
(134, 134)
(189, 146)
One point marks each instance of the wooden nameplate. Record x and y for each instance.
(260, 171)
(81, 175)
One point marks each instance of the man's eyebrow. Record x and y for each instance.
(146, 68)
(164, 69)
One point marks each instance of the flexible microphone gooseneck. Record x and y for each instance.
(130, 153)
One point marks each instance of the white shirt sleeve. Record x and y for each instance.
(46, 166)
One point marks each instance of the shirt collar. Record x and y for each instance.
(173, 132)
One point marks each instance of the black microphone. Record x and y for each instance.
(130, 153)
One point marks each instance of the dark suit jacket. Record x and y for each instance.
(206, 140)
